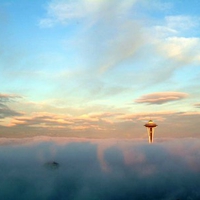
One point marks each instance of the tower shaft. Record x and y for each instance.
(150, 135)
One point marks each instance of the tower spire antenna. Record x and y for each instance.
(150, 129)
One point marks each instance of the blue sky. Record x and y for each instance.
(99, 68)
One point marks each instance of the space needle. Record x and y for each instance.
(150, 129)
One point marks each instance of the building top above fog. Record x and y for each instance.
(150, 124)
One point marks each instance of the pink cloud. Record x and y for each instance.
(197, 105)
(161, 97)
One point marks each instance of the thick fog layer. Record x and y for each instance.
(99, 169)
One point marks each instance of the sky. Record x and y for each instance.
(99, 68)
(99, 169)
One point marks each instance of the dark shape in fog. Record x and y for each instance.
(51, 165)
(150, 130)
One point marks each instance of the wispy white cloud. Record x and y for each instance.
(120, 34)
(181, 49)
(181, 22)
(112, 36)
(176, 26)
(63, 11)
